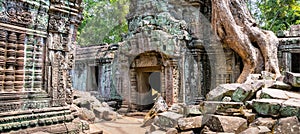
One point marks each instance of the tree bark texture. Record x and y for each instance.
(235, 27)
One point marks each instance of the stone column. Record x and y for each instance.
(63, 22)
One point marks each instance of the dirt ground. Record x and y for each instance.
(126, 125)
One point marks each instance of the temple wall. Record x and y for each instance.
(37, 40)
(289, 49)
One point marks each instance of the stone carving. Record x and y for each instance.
(34, 74)
(15, 12)
(59, 22)
(162, 21)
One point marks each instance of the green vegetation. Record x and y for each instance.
(276, 15)
(104, 21)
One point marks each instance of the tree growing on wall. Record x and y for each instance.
(235, 27)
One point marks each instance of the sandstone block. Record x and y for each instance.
(290, 107)
(269, 107)
(246, 91)
(227, 124)
(168, 120)
(211, 107)
(222, 90)
(190, 123)
(292, 79)
(281, 85)
(289, 125)
(268, 122)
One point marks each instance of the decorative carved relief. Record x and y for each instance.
(59, 22)
(15, 12)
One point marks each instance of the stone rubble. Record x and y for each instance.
(258, 106)
(90, 109)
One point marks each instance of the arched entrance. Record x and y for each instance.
(146, 78)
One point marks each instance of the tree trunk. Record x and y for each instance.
(235, 27)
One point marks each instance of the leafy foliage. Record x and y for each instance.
(276, 15)
(104, 21)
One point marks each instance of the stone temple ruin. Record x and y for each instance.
(170, 50)
(167, 43)
(37, 40)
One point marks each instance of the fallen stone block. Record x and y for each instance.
(187, 132)
(167, 120)
(292, 79)
(289, 125)
(246, 91)
(267, 75)
(226, 124)
(290, 107)
(268, 122)
(105, 113)
(292, 95)
(263, 130)
(221, 91)
(270, 93)
(269, 107)
(158, 132)
(193, 110)
(281, 85)
(190, 123)
(153, 127)
(172, 131)
(257, 130)
(251, 130)
(179, 108)
(266, 83)
(249, 116)
(86, 114)
(211, 107)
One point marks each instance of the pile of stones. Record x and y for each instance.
(258, 106)
(90, 109)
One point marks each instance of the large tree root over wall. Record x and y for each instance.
(235, 27)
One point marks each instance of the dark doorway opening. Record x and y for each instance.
(296, 62)
(148, 87)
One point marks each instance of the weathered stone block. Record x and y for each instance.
(289, 125)
(292, 78)
(168, 120)
(211, 107)
(257, 130)
(193, 110)
(249, 116)
(105, 113)
(222, 90)
(268, 122)
(179, 108)
(251, 130)
(281, 85)
(267, 106)
(269, 93)
(290, 107)
(246, 91)
(86, 114)
(230, 124)
(172, 131)
(190, 123)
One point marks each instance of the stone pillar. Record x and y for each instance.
(63, 22)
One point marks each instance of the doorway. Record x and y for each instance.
(295, 62)
(148, 87)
